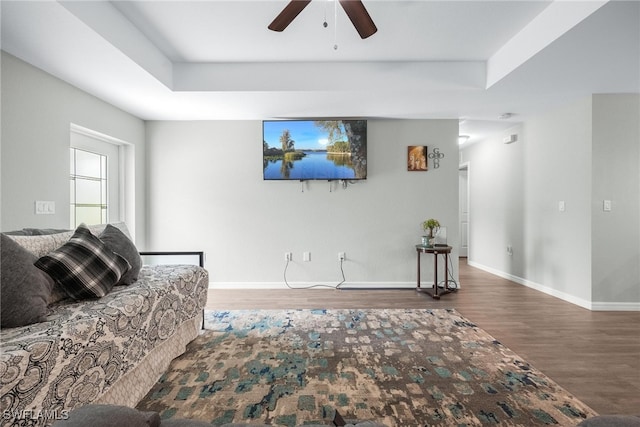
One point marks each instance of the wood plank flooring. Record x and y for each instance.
(593, 355)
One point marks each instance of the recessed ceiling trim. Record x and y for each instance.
(107, 21)
(348, 76)
(554, 21)
(600, 55)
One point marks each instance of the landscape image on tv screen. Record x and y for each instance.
(314, 149)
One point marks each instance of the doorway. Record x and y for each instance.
(463, 207)
(96, 177)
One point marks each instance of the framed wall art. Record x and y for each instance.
(417, 158)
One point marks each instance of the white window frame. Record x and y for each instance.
(122, 153)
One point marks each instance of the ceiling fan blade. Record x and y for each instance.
(359, 16)
(288, 14)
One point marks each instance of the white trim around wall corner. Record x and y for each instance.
(615, 306)
(328, 286)
(537, 286)
(593, 306)
(96, 135)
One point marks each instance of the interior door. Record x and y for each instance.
(103, 192)
(463, 184)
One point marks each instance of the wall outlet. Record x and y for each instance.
(45, 207)
(342, 256)
(306, 256)
(288, 256)
(510, 250)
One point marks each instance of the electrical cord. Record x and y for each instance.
(286, 266)
(442, 283)
(343, 182)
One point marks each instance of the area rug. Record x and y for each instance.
(395, 366)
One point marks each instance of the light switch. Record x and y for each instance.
(45, 207)
(606, 205)
(561, 206)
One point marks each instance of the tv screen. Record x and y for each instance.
(314, 149)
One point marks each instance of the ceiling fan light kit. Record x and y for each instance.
(354, 9)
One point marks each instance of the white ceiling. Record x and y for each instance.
(216, 59)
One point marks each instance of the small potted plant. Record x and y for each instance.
(431, 227)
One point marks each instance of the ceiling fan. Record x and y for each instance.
(354, 9)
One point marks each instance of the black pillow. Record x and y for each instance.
(84, 266)
(119, 243)
(24, 290)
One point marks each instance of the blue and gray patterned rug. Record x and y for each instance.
(395, 366)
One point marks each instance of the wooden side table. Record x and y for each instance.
(435, 251)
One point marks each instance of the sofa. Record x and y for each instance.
(84, 322)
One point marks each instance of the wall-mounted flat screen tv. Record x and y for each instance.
(314, 149)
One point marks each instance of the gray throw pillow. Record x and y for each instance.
(109, 416)
(119, 243)
(35, 232)
(84, 266)
(25, 290)
(42, 231)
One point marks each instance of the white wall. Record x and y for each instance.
(581, 154)
(206, 192)
(558, 168)
(496, 198)
(616, 172)
(37, 110)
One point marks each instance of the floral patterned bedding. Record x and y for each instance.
(107, 350)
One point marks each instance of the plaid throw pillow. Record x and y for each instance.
(84, 267)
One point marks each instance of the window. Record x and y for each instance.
(95, 178)
(89, 202)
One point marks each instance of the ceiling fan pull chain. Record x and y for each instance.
(324, 24)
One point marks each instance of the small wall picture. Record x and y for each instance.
(417, 158)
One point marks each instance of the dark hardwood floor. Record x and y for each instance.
(593, 355)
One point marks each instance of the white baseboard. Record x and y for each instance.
(301, 285)
(589, 305)
(615, 306)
